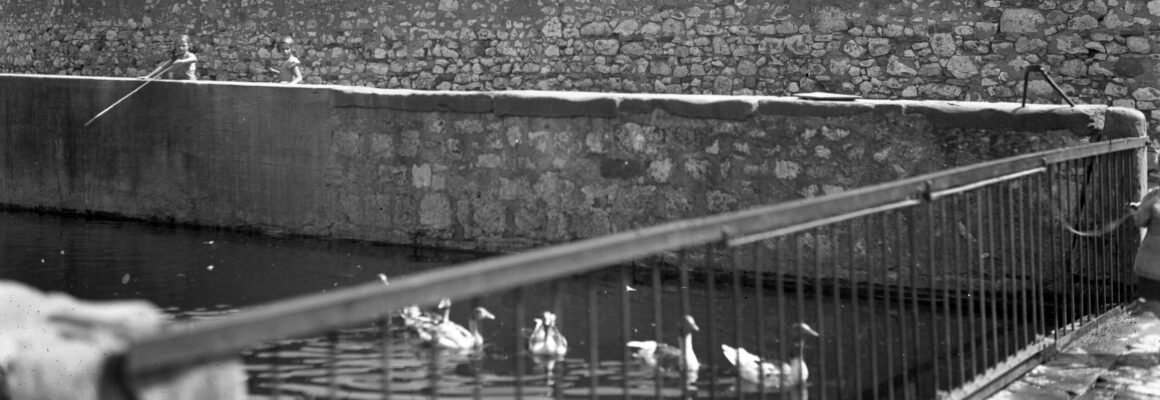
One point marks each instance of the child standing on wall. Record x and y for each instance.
(287, 68)
(182, 63)
(1147, 264)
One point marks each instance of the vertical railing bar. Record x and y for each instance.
(1084, 268)
(1075, 275)
(1107, 254)
(855, 235)
(521, 347)
(736, 276)
(819, 299)
(901, 250)
(759, 311)
(332, 366)
(991, 228)
(1059, 267)
(1006, 261)
(476, 362)
(873, 255)
(686, 307)
(1125, 235)
(562, 365)
(658, 327)
(1098, 205)
(914, 285)
(1012, 282)
(276, 370)
(1024, 260)
(1031, 256)
(1101, 190)
(594, 338)
(1117, 248)
(799, 263)
(836, 335)
(942, 239)
(711, 307)
(1093, 269)
(385, 355)
(625, 330)
(1037, 246)
(434, 370)
(980, 263)
(884, 259)
(957, 237)
(1067, 292)
(1105, 201)
(1123, 172)
(782, 314)
(971, 263)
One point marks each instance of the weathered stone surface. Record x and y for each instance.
(53, 346)
(1021, 20)
(538, 165)
(501, 44)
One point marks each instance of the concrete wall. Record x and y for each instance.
(477, 170)
(1099, 51)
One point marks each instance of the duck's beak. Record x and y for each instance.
(692, 324)
(806, 328)
(482, 313)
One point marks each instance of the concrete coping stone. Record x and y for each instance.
(1083, 119)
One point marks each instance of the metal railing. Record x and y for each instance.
(940, 285)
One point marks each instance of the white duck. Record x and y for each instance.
(773, 376)
(546, 344)
(448, 335)
(669, 358)
(413, 316)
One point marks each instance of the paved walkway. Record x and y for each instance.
(1120, 360)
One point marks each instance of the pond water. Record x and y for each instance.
(205, 273)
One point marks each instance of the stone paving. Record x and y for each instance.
(1120, 360)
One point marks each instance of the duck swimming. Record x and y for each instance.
(546, 344)
(669, 358)
(448, 335)
(414, 317)
(771, 375)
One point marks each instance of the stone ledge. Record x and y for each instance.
(1083, 119)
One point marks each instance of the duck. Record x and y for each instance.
(669, 358)
(546, 344)
(414, 317)
(772, 375)
(448, 335)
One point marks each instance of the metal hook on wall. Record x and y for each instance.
(1039, 69)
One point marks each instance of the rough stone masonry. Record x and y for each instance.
(1098, 51)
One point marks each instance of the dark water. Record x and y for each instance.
(201, 273)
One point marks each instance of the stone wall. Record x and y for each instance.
(1098, 51)
(493, 171)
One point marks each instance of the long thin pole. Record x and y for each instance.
(148, 81)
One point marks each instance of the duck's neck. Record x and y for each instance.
(797, 370)
(473, 326)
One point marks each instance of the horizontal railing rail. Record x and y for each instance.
(759, 230)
